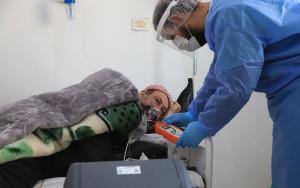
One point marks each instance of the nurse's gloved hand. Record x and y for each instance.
(192, 136)
(180, 119)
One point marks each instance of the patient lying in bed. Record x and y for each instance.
(121, 118)
(48, 152)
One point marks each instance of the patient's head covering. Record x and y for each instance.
(162, 89)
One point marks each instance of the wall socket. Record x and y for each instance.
(140, 24)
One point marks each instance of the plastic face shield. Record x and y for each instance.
(160, 28)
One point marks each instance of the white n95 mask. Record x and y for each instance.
(184, 44)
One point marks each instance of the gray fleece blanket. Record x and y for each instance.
(66, 107)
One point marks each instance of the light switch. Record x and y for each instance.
(140, 24)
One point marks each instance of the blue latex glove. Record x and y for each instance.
(192, 136)
(180, 119)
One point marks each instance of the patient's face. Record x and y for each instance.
(156, 99)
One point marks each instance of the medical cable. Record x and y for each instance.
(83, 41)
(128, 145)
(129, 142)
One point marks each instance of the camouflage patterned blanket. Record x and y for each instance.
(44, 142)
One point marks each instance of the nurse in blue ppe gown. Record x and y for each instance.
(256, 45)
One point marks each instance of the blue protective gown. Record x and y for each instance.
(257, 48)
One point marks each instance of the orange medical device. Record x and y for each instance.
(169, 132)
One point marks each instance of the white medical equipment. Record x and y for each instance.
(199, 159)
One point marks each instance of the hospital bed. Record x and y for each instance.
(199, 160)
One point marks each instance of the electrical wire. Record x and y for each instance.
(128, 145)
(129, 140)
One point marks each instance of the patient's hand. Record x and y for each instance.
(174, 108)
